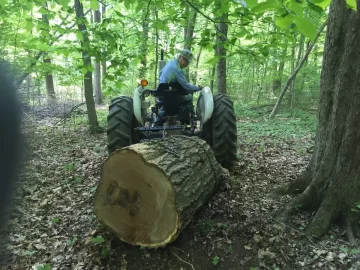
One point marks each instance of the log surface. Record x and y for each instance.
(150, 191)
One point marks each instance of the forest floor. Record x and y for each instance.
(53, 226)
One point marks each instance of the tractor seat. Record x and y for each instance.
(171, 97)
(172, 91)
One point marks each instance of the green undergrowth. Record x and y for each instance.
(254, 124)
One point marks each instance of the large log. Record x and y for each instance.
(150, 191)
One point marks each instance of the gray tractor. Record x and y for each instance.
(132, 119)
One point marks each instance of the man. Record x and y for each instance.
(173, 71)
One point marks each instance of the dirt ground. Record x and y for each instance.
(53, 226)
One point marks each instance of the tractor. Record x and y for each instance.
(133, 120)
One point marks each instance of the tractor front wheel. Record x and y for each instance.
(220, 131)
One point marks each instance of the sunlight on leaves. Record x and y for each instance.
(351, 4)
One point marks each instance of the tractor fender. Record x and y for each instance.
(137, 104)
(208, 109)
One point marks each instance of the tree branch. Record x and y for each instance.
(293, 75)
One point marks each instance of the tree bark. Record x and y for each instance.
(97, 67)
(90, 104)
(144, 44)
(221, 52)
(50, 89)
(189, 33)
(334, 183)
(150, 191)
(49, 81)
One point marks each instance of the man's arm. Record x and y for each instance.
(180, 78)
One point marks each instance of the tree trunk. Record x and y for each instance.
(213, 70)
(97, 69)
(150, 191)
(103, 63)
(189, 33)
(90, 104)
(49, 81)
(276, 84)
(292, 68)
(156, 49)
(221, 52)
(50, 89)
(197, 65)
(144, 44)
(332, 181)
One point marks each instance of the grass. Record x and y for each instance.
(254, 123)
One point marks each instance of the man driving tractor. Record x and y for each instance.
(173, 74)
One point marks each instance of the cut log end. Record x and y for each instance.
(139, 209)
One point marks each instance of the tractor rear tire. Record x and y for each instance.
(220, 131)
(121, 124)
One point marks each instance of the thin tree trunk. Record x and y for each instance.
(197, 65)
(189, 33)
(156, 49)
(292, 77)
(49, 81)
(97, 69)
(103, 63)
(213, 71)
(50, 89)
(221, 52)
(90, 104)
(144, 44)
(292, 85)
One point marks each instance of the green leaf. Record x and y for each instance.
(79, 36)
(315, 7)
(213, 61)
(284, 22)
(321, 3)
(3, 3)
(29, 252)
(265, 6)
(104, 253)
(225, 6)
(71, 242)
(344, 249)
(55, 220)
(251, 3)
(351, 4)
(306, 28)
(29, 26)
(98, 240)
(83, 70)
(264, 51)
(43, 11)
(355, 251)
(297, 8)
(45, 267)
(64, 3)
(127, 4)
(94, 4)
(215, 260)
